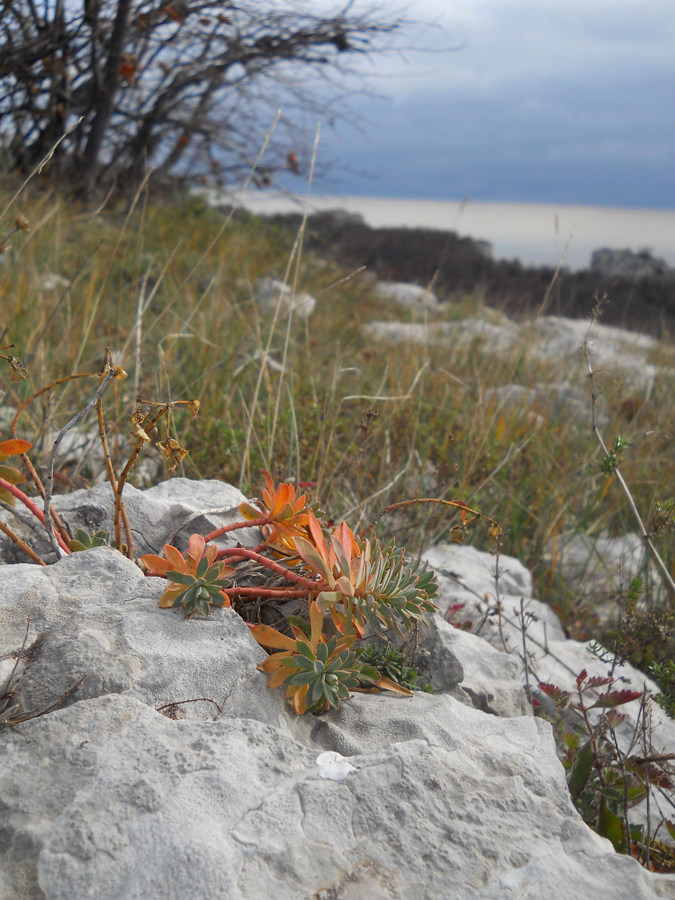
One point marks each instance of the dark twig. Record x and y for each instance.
(170, 706)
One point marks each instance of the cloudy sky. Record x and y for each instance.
(558, 101)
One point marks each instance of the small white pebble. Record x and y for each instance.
(334, 766)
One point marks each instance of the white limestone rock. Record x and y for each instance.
(463, 332)
(561, 401)
(411, 296)
(129, 791)
(614, 351)
(50, 282)
(94, 614)
(269, 293)
(491, 679)
(109, 799)
(504, 612)
(601, 563)
(166, 513)
(416, 333)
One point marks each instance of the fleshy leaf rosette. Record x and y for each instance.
(197, 581)
(318, 673)
(369, 585)
(286, 511)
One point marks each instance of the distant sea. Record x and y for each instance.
(537, 234)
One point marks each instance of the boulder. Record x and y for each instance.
(270, 294)
(410, 296)
(562, 401)
(109, 798)
(167, 513)
(157, 762)
(494, 598)
(601, 568)
(546, 339)
(462, 333)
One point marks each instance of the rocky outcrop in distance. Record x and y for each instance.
(452, 265)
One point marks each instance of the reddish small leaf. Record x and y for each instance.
(615, 698)
(598, 681)
(553, 691)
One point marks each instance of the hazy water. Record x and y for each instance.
(534, 233)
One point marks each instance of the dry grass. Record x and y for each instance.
(169, 291)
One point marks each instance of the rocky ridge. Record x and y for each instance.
(640, 288)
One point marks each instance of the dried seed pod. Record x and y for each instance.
(494, 532)
(138, 437)
(458, 534)
(17, 370)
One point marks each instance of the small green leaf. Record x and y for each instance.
(581, 769)
(180, 577)
(611, 826)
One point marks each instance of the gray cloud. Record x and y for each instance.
(561, 102)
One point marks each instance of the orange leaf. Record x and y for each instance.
(389, 685)
(316, 621)
(299, 697)
(271, 663)
(175, 558)
(196, 546)
(278, 677)
(270, 637)
(13, 446)
(166, 601)
(156, 564)
(248, 511)
(313, 558)
(316, 532)
(284, 491)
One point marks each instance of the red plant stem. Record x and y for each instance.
(583, 709)
(37, 512)
(233, 526)
(264, 592)
(243, 552)
(222, 555)
(35, 478)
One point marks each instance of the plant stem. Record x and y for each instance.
(105, 381)
(112, 478)
(670, 581)
(234, 526)
(37, 512)
(403, 503)
(279, 569)
(22, 545)
(264, 592)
